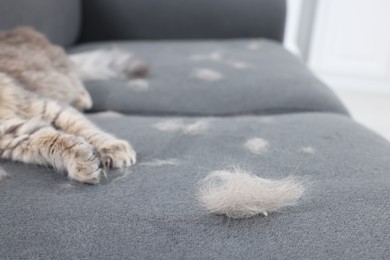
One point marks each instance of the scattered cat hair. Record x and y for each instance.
(158, 162)
(138, 85)
(123, 175)
(253, 46)
(177, 125)
(308, 150)
(238, 64)
(40, 93)
(257, 145)
(105, 64)
(213, 56)
(3, 174)
(242, 194)
(65, 186)
(195, 128)
(207, 74)
(170, 125)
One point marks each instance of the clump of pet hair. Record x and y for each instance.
(257, 145)
(241, 194)
(110, 63)
(194, 128)
(159, 162)
(308, 150)
(207, 74)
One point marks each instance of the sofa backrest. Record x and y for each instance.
(58, 19)
(182, 19)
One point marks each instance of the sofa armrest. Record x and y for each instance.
(182, 19)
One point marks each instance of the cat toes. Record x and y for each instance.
(86, 165)
(117, 154)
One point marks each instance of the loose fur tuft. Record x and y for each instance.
(159, 162)
(257, 145)
(207, 74)
(308, 150)
(254, 46)
(238, 64)
(138, 85)
(195, 128)
(242, 194)
(213, 56)
(104, 64)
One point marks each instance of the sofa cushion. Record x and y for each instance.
(226, 77)
(59, 20)
(150, 211)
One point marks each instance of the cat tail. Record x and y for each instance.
(110, 63)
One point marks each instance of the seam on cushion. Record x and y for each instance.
(263, 112)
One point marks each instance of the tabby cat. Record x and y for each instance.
(40, 123)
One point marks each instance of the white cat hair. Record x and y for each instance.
(159, 162)
(105, 64)
(257, 145)
(207, 74)
(194, 128)
(242, 194)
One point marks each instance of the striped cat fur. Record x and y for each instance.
(40, 123)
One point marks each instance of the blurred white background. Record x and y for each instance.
(347, 44)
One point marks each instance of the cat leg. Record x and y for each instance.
(35, 141)
(114, 153)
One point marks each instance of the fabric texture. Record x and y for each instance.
(177, 19)
(59, 20)
(226, 104)
(227, 77)
(151, 212)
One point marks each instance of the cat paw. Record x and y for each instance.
(115, 153)
(85, 167)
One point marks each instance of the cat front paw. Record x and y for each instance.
(85, 166)
(116, 153)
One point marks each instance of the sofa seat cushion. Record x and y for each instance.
(226, 77)
(149, 211)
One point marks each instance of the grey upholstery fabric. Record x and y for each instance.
(178, 19)
(274, 81)
(149, 211)
(59, 20)
(152, 214)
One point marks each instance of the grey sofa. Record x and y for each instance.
(149, 211)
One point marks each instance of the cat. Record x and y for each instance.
(41, 96)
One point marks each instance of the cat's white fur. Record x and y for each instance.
(207, 74)
(257, 145)
(194, 128)
(241, 194)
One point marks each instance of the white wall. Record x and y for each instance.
(350, 46)
(345, 42)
